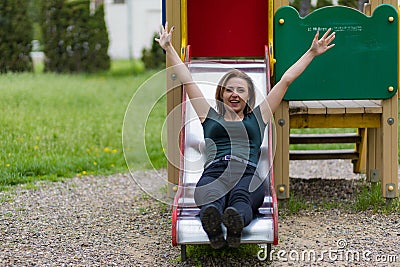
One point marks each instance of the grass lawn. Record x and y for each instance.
(60, 125)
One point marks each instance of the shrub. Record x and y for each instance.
(74, 39)
(15, 36)
(154, 57)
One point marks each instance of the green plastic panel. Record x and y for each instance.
(362, 64)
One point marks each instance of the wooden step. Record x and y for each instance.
(323, 154)
(340, 138)
(335, 107)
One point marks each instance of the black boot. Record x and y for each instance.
(234, 225)
(211, 220)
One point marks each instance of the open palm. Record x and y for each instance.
(165, 37)
(320, 46)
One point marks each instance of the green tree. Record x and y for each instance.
(304, 7)
(154, 57)
(15, 36)
(52, 28)
(99, 41)
(74, 39)
(349, 3)
(34, 14)
(322, 3)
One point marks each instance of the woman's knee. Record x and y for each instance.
(209, 191)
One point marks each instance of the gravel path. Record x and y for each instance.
(109, 221)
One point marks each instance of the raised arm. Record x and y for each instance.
(194, 93)
(274, 98)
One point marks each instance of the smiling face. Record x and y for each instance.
(235, 95)
(235, 92)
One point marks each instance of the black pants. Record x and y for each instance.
(231, 184)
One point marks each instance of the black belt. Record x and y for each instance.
(231, 157)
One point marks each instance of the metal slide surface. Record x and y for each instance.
(188, 229)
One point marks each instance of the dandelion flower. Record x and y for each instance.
(84, 172)
(114, 151)
(36, 147)
(107, 150)
(95, 163)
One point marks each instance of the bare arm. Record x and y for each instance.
(194, 93)
(275, 97)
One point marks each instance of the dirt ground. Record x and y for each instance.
(110, 221)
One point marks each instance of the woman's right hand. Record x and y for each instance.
(164, 38)
(183, 75)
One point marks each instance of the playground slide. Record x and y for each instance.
(187, 227)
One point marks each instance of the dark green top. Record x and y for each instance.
(239, 138)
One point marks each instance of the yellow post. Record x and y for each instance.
(390, 147)
(174, 97)
(360, 165)
(281, 159)
(386, 137)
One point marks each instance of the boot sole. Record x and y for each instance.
(234, 225)
(211, 222)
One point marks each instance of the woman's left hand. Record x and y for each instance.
(320, 46)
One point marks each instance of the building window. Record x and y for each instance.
(119, 1)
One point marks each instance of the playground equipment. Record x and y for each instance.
(187, 228)
(202, 49)
(353, 86)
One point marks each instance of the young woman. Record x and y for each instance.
(233, 135)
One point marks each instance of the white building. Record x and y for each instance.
(131, 25)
